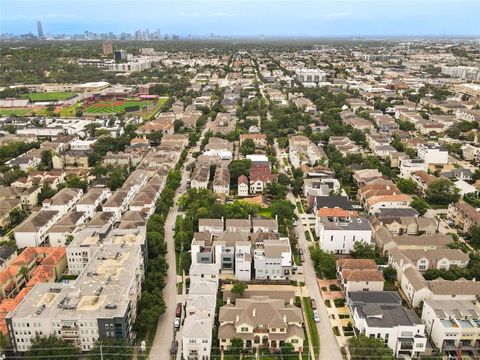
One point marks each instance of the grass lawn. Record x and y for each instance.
(312, 325)
(438, 207)
(151, 112)
(115, 107)
(70, 111)
(300, 207)
(306, 347)
(50, 96)
(17, 112)
(266, 213)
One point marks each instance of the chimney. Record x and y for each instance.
(284, 318)
(228, 300)
(254, 312)
(291, 301)
(237, 318)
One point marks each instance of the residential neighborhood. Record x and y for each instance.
(245, 202)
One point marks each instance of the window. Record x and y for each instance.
(294, 341)
(192, 341)
(244, 329)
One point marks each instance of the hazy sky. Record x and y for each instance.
(246, 17)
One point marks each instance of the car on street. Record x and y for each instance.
(174, 347)
(178, 310)
(314, 305)
(316, 317)
(176, 323)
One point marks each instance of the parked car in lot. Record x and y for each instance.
(316, 317)
(178, 310)
(314, 305)
(176, 323)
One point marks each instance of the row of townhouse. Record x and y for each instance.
(109, 261)
(259, 256)
(262, 254)
(463, 216)
(379, 193)
(200, 312)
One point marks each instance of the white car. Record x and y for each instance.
(316, 317)
(176, 323)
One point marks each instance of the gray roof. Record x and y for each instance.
(386, 316)
(36, 221)
(5, 252)
(374, 297)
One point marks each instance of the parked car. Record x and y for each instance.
(316, 317)
(314, 305)
(178, 310)
(302, 258)
(174, 347)
(176, 323)
(301, 251)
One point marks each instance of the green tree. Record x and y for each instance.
(111, 349)
(283, 209)
(442, 192)
(17, 216)
(363, 250)
(239, 288)
(46, 162)
(420, 205)
(155, 137)
(76, 182)
(247, 147)
(407, 186)
(91, 127)
(366, 348)
(390, 273)
(236, 345)
(474, 234)
(325, 263)
(239, 167)
(51, 346)
(45, 193)
(283, 179)
(287, 348)
(276, 190)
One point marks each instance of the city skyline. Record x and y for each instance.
(237, 18)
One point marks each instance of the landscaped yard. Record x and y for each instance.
(312, 325)
(50, 96)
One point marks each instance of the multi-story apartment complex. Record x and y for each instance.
(100, 304)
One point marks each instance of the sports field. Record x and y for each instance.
(115, 107)
(17, 112)
(50, 96)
